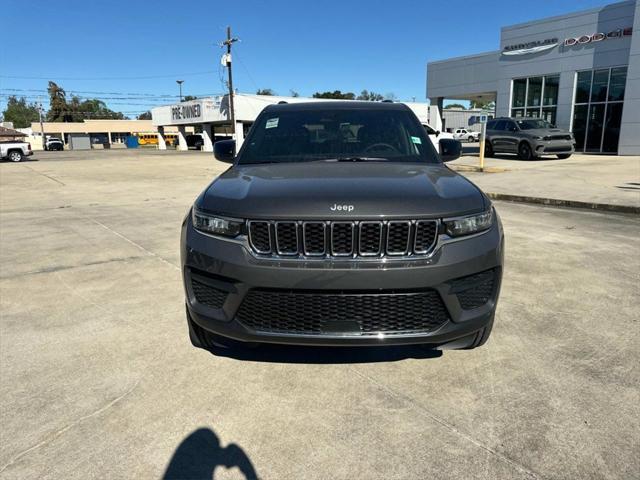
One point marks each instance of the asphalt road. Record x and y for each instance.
(99, 380)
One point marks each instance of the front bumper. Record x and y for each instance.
(554, 147)
(230, 267)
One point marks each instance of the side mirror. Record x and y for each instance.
(437, 132)
(224, 150)
(450, 149)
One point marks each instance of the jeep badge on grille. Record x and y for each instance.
(341, 208)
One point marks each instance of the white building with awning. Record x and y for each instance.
(212, 114)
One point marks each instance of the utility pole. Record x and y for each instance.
(42, 125)
(180, 82)
(228, 42)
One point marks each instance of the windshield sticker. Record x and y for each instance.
(272, 123)
(416, 140)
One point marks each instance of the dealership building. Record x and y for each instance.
(579, 71)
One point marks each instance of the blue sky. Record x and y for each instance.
(131, 50)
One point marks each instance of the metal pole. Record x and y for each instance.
(42, 126)
(180, 82)
(228, 42)
(232, 115)
(483, 134)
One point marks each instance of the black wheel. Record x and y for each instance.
(488, 149)
(524, 151)
(15, 156)
(470, 139)
(564, 156)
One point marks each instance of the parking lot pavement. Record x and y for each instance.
(99, 379)
(589, 179)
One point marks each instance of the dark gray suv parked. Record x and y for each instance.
(339, 224)
(527, 137)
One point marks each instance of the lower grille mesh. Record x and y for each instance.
(208, 295)
(278, 311)
(478, 292)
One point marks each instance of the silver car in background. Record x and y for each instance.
(528, 138)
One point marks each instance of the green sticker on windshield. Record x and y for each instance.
(416, 140)
(272, 123)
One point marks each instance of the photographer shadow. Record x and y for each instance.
(198, 456)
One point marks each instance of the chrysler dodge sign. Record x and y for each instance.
(530, 47)
(191, 111)
(598, 37)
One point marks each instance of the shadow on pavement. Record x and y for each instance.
(200, 454)
(326, 355)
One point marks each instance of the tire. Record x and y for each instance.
(15, 156)
(488, 149)
(564, 156)
(470, 139)
(525, 152)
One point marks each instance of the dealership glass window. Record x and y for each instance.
(534, 92)
(538, 96)
(519, 92)
(599, 85)
(551, 90)
(617, 84)
(597, 109)
(583, 86)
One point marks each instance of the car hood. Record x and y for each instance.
(543, 132)
(318, 190)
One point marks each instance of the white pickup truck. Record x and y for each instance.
(435, 135)
(15, 150)
(466, 135)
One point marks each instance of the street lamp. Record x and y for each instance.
(180, 82)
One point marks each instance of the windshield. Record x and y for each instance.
(338, 135)
(532, 124)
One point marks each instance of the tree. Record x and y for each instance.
(58, 109)
(145, 115)
(293, 93)
(20, 112)
(335, 94)
(484, 105)
(189, 97)
(76, 110)
(370, 96)
(455, 105)
(265, 91)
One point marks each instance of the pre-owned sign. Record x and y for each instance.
(598, 37)
(186, 112)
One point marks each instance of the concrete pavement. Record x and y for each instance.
(99, 379)
(586, 179)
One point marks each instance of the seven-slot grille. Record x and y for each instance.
(343, 238)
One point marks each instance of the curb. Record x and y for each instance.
(553, 202)
(471, 168)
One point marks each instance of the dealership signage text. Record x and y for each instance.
(598, 37)
(186, 112)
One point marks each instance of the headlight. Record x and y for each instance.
(468, 225)
(536, 137)
(215, 225)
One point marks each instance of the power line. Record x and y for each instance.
(147, 77)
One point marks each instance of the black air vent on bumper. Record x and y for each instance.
(475, 290)
(317, 313)
(208, 295)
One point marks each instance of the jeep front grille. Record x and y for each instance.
(354, 313)
(346, 239)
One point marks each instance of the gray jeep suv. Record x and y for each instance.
(338, 224)
(527, 137)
